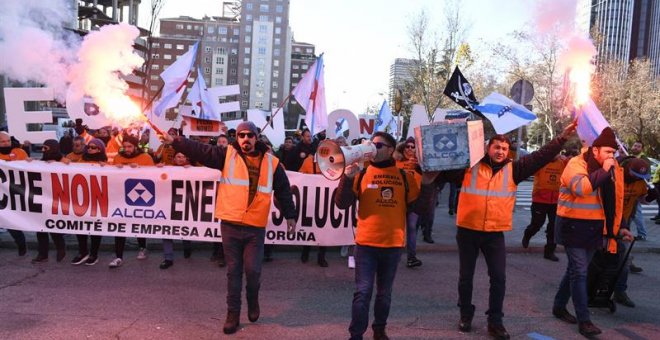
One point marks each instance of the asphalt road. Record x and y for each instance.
(298, 301)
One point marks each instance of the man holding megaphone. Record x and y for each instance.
(385, 193)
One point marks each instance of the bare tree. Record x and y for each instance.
(436, 56)
(630, 101)
(154, 8)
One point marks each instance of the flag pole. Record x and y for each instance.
(279, 107)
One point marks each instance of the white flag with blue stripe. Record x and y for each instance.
(385, 120)
(590, 122)
(505, 114)
(199, 97)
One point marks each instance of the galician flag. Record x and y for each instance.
(385, 120)
(505, 114)
(199, 97)
(590, 122)
(176, 80)
(310, 94)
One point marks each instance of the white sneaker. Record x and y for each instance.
(142, 254)
(116, 263)
(344, 251)
(351, 262)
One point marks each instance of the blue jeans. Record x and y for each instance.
(492, 245)
(244, 250)
(574, 283)
(411, 234)
(168, 248)
(638, 220)
(379, 265)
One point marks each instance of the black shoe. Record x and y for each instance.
(640, 238)
(253, 310)
(79, 259)
(380, 334)
(322, 262)
(634, 269)
(221, 262)
(166, 264)
(451, 212)
(22, 249)
(498, 332)
(465, 324)
(588, 329)
(61, 254)
(655, 218)
(525, 240)
(551, 256)
(657, 221)
(40, 259)
(564, 315)
(428, 239)
(413, 262)
(304, 257)
(186, 253)
(91, 261)
(623, 299)
(232, 322)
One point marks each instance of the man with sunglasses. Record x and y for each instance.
(385, 193)
(250, 176)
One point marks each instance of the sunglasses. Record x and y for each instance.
(92, 147)
(380, 145)
(410, 146)
(245, 135)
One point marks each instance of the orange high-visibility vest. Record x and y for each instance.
(486, 200)
(234, 190)
(16, 154)
(410, 166)
(547, 182)
(310, 166)
(578, 200)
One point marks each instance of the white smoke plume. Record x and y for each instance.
(36, 47)
(33, 43)
(103, 56)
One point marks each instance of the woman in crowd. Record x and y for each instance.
(93, 152)
(406, 160)
(133, 156)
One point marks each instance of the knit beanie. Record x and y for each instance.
(606, 138)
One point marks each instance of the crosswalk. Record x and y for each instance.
(524, 200)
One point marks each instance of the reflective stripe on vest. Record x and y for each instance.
(230, 177)
(487, 199)
(503, 192)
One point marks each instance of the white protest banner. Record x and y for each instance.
(153, 202)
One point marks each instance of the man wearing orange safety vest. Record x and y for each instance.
(385, 194)
(485, 211)
(590, 205)
(250, 176)
(544, 203)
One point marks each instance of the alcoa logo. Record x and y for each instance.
(140, 192)
(444, 142)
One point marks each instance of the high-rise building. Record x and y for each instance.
(628, 29)
(217, 55)
(264, 53)
(400, 73)
(303, 56)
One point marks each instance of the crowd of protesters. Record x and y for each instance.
(590, 189)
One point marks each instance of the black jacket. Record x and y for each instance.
(213, 156)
